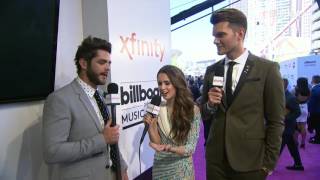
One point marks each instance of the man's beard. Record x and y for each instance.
(93, 77)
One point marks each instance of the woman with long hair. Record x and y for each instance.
(174, 133)
(302, 93)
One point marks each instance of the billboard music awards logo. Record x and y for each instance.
(139, 47)
(310, 63)
(135, 94)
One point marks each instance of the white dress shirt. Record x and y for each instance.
(237, 68)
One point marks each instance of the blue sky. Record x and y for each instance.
(194, 40)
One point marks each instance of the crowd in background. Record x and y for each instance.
(195, 84)
(308, 97)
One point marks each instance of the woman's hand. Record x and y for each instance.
(179, 150)
(161, 147)
(152, 122)
(157, 147)
(153, 128)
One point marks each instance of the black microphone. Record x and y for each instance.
(112, 88)
(153, 109)
(112, 99)
(217, 81)
(218, 78)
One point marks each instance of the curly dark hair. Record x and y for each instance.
(183, 106)
(88, 49)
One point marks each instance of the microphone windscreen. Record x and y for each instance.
(219, 71)
(156, 100)
(112, 88)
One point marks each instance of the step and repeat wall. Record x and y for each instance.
(140, 35)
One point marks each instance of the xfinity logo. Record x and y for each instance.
(138, 47)
(136, 94)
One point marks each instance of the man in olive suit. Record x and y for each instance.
(247, 113)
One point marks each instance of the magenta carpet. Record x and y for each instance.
(310, 158)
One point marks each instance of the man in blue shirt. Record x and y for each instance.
(314, 110)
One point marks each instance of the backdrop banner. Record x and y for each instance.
(306, 66)
(140, 34)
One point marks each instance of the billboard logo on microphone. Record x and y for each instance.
(153, 109)
(217, 81)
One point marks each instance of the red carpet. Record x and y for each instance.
(310, 158)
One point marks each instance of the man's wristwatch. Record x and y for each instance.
(267, 171)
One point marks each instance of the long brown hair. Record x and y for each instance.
(183, 106)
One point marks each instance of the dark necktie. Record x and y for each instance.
(229, 93)
(105, 115)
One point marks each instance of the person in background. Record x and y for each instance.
(314, 110)
(194, 90)
(292, 113)
(77, 131)
(302, 93)
(200, 81)
(206, 124)
(247, 113)
(174, 134)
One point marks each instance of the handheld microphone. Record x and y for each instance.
(218, 78)
(112, 96)
(112, 99)
(153, 109)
